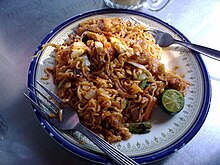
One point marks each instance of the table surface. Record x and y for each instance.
(23, 24)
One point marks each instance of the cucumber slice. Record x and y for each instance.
(172, 101)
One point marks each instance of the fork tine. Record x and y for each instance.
(55, 97)
(38, 108)
(46, 98)
(153, 32)
(137, 21)
(43, 102)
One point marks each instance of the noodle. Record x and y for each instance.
(99, 70)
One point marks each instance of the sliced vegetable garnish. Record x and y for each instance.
(126, 103)
(143, 84)
(85, 38)
(139, 128)
(172, 101)
(142, 76)
(137, 65)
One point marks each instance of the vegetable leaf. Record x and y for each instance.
(143, 84)
(139, 128)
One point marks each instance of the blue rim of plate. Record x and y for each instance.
(148, 158)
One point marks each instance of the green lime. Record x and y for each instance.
(172, 101)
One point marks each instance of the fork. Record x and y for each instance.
(70, 121)
(164, 39)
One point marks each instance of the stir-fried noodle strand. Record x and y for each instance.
(109, 70)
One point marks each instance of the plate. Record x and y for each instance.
(169, 133)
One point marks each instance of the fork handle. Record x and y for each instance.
(212, 53)
(107, 148)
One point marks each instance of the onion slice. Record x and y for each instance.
(90, 94)
(137, 65)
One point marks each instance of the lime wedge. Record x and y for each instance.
(172, 101)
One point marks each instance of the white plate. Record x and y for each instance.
(169, 133)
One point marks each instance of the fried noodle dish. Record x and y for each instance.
(109, 71)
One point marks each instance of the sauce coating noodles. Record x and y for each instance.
(109, 70)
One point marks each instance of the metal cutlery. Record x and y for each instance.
(164, 39)
(70, 121)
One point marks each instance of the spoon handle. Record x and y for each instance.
(212, 53)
